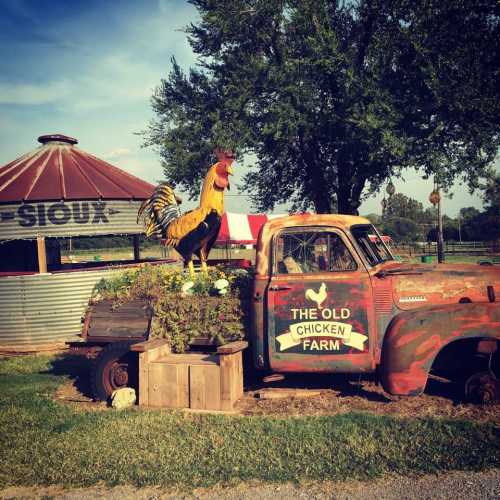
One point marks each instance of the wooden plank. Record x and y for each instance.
(119, 318)
(113, 331)
(238, 375)
(147, 345)
(42, 254)
(231, 379)
(128, 320)
(162, 350)
(168, 385)
(204, 387)
(226, 381)
(194, 358)
(279, 393)
(143, 379)
(232, 347)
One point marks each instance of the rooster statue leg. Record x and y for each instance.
(204, 267)
(190, 267)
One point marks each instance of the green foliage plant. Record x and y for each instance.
(182, 316)
(333, 98)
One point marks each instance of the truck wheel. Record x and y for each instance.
(115, 367)
(482, 388)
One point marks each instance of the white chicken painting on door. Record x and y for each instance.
(320, 329)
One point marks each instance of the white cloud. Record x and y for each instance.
(32, 93)
(116, 79)
(116, 153)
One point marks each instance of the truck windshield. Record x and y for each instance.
(371, 244)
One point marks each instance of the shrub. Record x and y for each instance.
(213, 306)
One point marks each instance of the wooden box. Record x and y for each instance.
(194, 380)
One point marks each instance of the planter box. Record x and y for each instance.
(199, 381)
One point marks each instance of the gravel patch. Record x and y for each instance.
(451, 485)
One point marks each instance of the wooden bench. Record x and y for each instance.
(202, 381)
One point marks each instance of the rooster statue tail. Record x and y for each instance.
(159, 210)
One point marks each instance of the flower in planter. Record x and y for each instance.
(221, 285)
(187, 288)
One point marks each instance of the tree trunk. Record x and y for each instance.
(323, 203)
(351, 186)
(320, 192)
(345, 204)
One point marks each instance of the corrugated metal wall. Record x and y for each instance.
(70, 218)
(43, 309)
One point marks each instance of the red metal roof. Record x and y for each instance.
(58, 170)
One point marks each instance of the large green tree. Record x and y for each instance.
(333, 97)
(485, 225)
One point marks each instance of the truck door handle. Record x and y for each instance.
(277, 288)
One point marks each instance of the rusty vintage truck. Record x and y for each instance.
(329, 297)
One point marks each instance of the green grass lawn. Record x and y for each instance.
(43, 442)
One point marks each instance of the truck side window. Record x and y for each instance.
(298, 252)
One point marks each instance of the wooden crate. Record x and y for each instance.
(193, 380)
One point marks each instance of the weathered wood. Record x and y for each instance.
(110, 306)
(238, 376)
(232, 347)
(204, 387)
(149, 345)
(191, 359)
(144, 378)
(168, 385)
(274, 377)
(113, 330)
(148, 351)
(42, 254)
(196, 380)
(128, 320)
(278, 393)
(231, 375)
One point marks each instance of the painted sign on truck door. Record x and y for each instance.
(319, 302)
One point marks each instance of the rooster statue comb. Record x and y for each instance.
(195, 231)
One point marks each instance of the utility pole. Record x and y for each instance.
(435, 199)
(440, 241)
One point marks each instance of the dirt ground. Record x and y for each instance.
(330, 395)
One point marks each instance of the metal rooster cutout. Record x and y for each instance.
(195, 231)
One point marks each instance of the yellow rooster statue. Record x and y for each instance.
(195, 231)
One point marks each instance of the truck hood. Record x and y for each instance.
(419, 285)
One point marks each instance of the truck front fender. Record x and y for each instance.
(414, 338)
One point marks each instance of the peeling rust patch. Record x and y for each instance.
(409, 351)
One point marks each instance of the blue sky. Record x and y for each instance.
(87, 69)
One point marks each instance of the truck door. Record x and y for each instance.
(319, 304)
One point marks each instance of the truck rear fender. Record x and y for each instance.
(414, 338)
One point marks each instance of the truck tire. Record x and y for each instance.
(115, 367)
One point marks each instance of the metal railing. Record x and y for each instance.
(450, 247)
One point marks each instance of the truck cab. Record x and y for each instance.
(329, 296)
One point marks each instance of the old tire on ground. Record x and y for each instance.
(115, 367)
